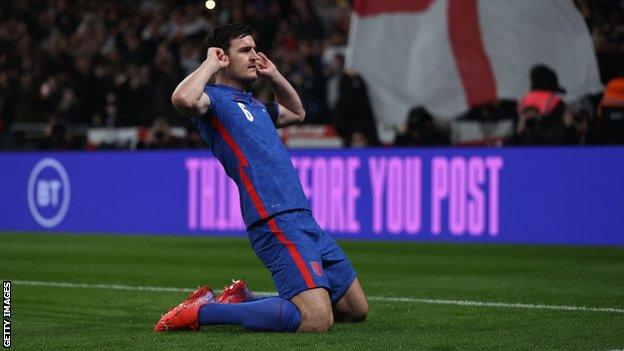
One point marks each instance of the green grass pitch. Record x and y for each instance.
(47, 317)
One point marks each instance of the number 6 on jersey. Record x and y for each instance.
(247, 113)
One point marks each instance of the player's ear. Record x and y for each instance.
(224, 56)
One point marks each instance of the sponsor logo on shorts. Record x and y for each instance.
(316, 268)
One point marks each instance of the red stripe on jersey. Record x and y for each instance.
(255, 198)
(253, 194)
(242, 161)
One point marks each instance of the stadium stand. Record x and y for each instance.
(89, 75)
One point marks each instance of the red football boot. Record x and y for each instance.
(235, 293)
(184, 315)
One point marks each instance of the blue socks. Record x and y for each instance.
(268, 314)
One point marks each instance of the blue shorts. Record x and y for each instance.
(300, 255)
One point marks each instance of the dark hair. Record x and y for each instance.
(418, 117)
(220, 37)
(544, 78)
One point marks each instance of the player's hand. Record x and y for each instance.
(218, 56)
(265, 67)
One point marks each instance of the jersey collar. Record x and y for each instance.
(227, 87)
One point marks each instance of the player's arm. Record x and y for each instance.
(290, 108)
(189, 97)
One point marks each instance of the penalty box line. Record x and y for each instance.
(371, 298)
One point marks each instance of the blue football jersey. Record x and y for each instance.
(243, 137)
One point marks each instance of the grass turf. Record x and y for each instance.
(58, 318)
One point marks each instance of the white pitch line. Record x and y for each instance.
(498, 304)
(372, 298)
(98, 286)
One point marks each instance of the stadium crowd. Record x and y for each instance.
(73, 65)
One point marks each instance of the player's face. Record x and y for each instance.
(243, 57)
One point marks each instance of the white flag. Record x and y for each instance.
(449, 55)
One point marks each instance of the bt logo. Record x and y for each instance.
(48, 192)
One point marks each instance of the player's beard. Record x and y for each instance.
(240, 76)
(249, 76)
(244, 76)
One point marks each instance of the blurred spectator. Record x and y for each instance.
(161, 137)
(334, 73)
(312, 91)
(544, 91)
(541, 111)
(7, 100)
(493, 111)
(351, 110)
(578, 122)
(193, 139)
(610, 119)
(305, 21)
(69, 107)
(58, 138)
(133, 95)
(27, 100)
(358, 139)
(335, 17)
(165, 77)
(421, 129)
(533, 128)
(605, 20)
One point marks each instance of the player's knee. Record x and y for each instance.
(316, 310)
(360, 312)
(356, 311)
(321, 320)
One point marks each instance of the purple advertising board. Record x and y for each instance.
(508, 195)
